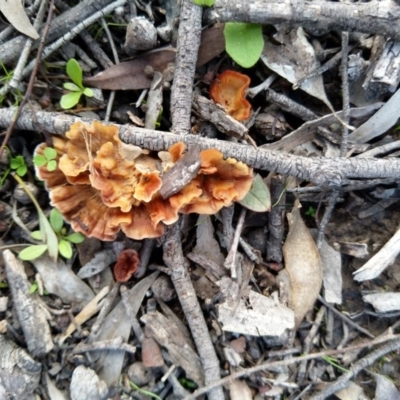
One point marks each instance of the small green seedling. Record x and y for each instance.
(244, 42)
(76, 88)
(144, 392)
(311, 211)
(207, 3)
(335, 363)
(48, 157)
(18, 164)
(64, 240)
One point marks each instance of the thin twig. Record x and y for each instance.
(173, 258)
(230, 261)
(29, 89)
(270, 365)
(368, 360)
(346, 319)
(116, 60)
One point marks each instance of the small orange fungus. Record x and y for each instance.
(127, 264)
(101, 187)
(228, 90)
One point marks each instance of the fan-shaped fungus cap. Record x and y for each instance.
(102, 187)
(218, 183)
(127, 264)
(228, 90)
(99, 191)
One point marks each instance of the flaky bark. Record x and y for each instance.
(375, 17)
(185, 65)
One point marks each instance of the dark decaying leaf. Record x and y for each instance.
(212, 44)
(130, 75)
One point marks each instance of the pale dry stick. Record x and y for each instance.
(308, 342)
(144, 256)
(23, 59)
(290, 106)
(230, 260)
(74, 32)
(91, 44)
(345, 93)
(376, 151)
(381, 260)
(181, 106)
(368, 360)
(325, 67)
(375, 17)
(189, 36)
(115, 344)
(345, 133)
(105, 309)
(346, 319)
(110, 101)
(61, 25)
(322, 171)
(36, 62)
(137, 329)
(174, 259)
(254, 91)
(270, 365)
(227, 230)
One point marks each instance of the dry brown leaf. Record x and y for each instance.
(130, 75)
(302, 265)
(212, 44)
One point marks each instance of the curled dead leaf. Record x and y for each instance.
(302, 265)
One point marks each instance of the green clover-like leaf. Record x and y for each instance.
(32, 252)
(39, 160)
(65, 249)
(22, 170)
(17, 162)
(51, 165)
(75, 237)
(50, 153)
(258, 199)
(56, 220)
(74, 71)
(70, 100)
(244, 42)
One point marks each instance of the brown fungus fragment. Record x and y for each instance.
(127, 264)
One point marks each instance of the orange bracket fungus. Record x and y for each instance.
(103, 186)
(127, 264)
(228, 90)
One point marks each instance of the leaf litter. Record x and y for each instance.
(247, 308)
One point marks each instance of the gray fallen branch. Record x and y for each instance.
(30, 315)
(375, 17)
(322, 171)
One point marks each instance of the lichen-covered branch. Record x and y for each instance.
(374, 17)
(322, 171)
